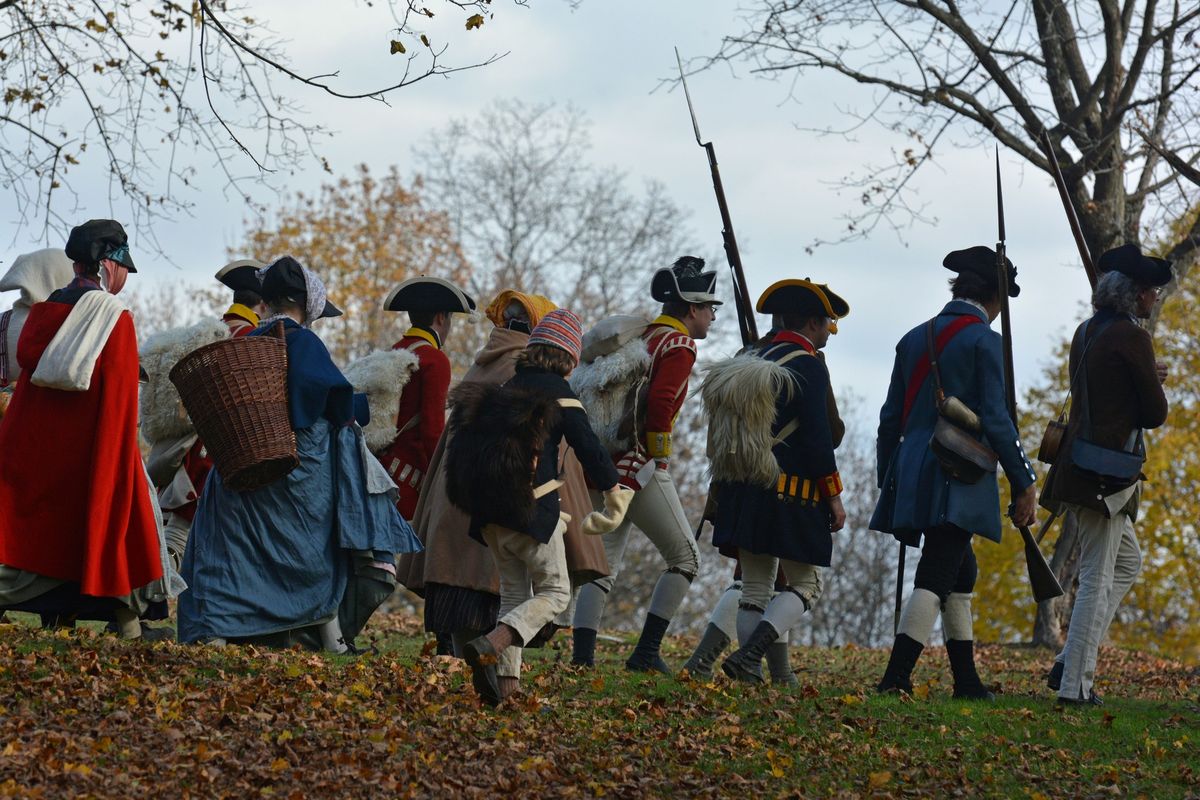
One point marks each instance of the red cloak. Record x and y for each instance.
(74, 500)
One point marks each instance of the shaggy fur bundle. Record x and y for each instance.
(494, 437)
(162, 414)
(739, 397)
(382, 376)
(609, 387)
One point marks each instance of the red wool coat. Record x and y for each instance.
(407, 458)
(75, 503)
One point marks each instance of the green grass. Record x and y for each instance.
(86, 714)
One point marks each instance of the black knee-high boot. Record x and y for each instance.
(967, 685)
(898, 675)
(646, 657)
(712, 644)
(745, 664)
(583, 647)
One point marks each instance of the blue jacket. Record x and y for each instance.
(915, 493)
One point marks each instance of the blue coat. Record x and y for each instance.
(783, 525)
(915, 493)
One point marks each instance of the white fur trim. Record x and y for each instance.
(162, 414)
(739, 396)
(68, 361)
(382, 375)
(603, 385)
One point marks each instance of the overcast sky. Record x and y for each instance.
(607, 57)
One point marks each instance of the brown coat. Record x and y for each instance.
(451, 557)
(1125, 394)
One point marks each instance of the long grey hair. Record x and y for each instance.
(1116, 291)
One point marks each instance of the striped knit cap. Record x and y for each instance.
(560, 328)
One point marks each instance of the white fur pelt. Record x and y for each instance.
(739, 397)
(604, 386)
(382, 375)
(162, 414)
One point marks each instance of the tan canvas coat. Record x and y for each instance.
(451, 557)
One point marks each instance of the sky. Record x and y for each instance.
(607, 57)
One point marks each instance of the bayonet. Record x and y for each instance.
(741, 295)
(1072, 218)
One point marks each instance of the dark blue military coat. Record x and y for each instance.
(791, 519)
(915, 493)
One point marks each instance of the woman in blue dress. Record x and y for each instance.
(308, 558)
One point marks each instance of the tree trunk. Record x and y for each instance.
(1049, 628)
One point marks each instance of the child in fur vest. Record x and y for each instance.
(502, 467)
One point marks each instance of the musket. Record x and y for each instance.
(1072, 218)
(741, 295)
(1041, 577)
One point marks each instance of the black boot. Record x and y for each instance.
(712, 644)
(745, 664)
(898, 675)
(645, 657)
(780, 666)
(967, 685)
(482, 657)
(445, 643)
(584, 647)
(1054, 677)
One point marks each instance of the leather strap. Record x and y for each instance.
(921, 369)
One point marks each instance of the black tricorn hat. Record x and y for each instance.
(425, 293)
(1128, 260)
(686, 282)
(284, 280)
(99, 239)
(981, 260)
(802, 296)
(242, 275)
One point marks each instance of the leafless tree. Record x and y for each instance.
(156, 92)
(1114, 85)
(535, 214)
(1096, 77)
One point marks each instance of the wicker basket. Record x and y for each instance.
(235, 391)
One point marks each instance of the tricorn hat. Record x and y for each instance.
(284, 280)
(796, 296)
(685, 281)
(980, 260)
(426, 293)
(242, 275)
(99, 239)
(1128, 260)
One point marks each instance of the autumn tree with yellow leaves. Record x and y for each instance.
(362, 235)
(1162, 611)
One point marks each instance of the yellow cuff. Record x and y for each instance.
(831, 485)
(658, 445)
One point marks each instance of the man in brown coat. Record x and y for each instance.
(1116, 394)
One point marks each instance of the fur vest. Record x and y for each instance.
(494, 437)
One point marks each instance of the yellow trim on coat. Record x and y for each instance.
(421, 333)
(243, 311)
(669, 321)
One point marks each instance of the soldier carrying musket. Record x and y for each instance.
(936, 474)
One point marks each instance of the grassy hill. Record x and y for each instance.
(83, 714)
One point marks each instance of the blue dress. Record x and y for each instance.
(320, 541)
(916, 494)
